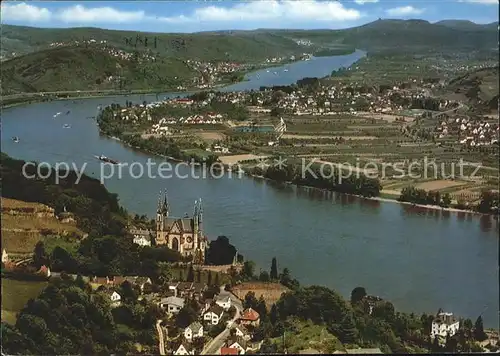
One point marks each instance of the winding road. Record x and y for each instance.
(212, 348)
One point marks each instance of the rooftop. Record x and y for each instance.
(250, 314)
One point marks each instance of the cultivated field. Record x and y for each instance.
(25, 223)
(270, 291)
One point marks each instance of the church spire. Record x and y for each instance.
(200, 211)
(165, 208)
(158, 209)
(195, 212)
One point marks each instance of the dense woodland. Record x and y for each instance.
(69, 318)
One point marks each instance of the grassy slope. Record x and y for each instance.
(15, 295)
(476, 87)
(81, 68)
(239, 46)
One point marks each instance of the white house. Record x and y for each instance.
(141, 237)
(5, 256)
(115, 299)
(238, 344)
(172, 304)
(214, 314)
(224, 302)
(242, 332)
(193, 331)
(184, 349)
(444, 324)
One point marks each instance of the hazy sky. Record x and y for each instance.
(189, 16)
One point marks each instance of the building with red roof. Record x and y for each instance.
(250, 317)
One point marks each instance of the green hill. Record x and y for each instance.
(236, 46)
(479, 88)
(40, 65)
(91, 68)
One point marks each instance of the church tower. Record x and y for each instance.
(162, 211)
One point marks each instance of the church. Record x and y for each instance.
(184, 235)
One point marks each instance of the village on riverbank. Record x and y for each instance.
(408, 131)
(173, 306)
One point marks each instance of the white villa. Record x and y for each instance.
(224, 303)
(193, 331)
(172, 304)
(214, 314)
(444, 324)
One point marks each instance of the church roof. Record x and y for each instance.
(185, 224)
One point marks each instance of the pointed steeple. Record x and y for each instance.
(200, 211)
(165, 208)
(195, 212)
(158, 209)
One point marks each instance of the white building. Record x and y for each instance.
(172, 304)
(184, 349)
(5, 256)
(223, 302)
(142, 237)
(193, 331)
(214, 314)
(115, 299)
(444, 324)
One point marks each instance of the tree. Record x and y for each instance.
(274, 270)
(357, 295)
(217, 282)
(348, 332)
(261, 308)
(479, 333)
(209, 282)
(39, 255)
(198, 276)
(190, 277)
(248, 270)
(273, 314)
(264, 276)
(185, 317)
(250, 301)
(128, 293)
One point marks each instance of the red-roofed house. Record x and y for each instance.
(228, 351)
(250, 317)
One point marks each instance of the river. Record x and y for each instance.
(421, 260)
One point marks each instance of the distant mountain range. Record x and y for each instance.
(249, 45)
(37, 66)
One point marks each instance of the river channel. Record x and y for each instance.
(421, 259)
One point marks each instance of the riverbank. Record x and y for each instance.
(230, 168)
(386, 200)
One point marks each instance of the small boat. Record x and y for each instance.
(15, 139)
(67, 112)
(267, 71)
(106, 159)
(66, 126)
(285, 70)
(57, 114)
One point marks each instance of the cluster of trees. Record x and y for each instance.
(360, 323)
(129, 41)
(323, 178)
(96, 210)
(489, 203)
(421, 196)
(106, 255)
(221, 252)
(68, 318)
